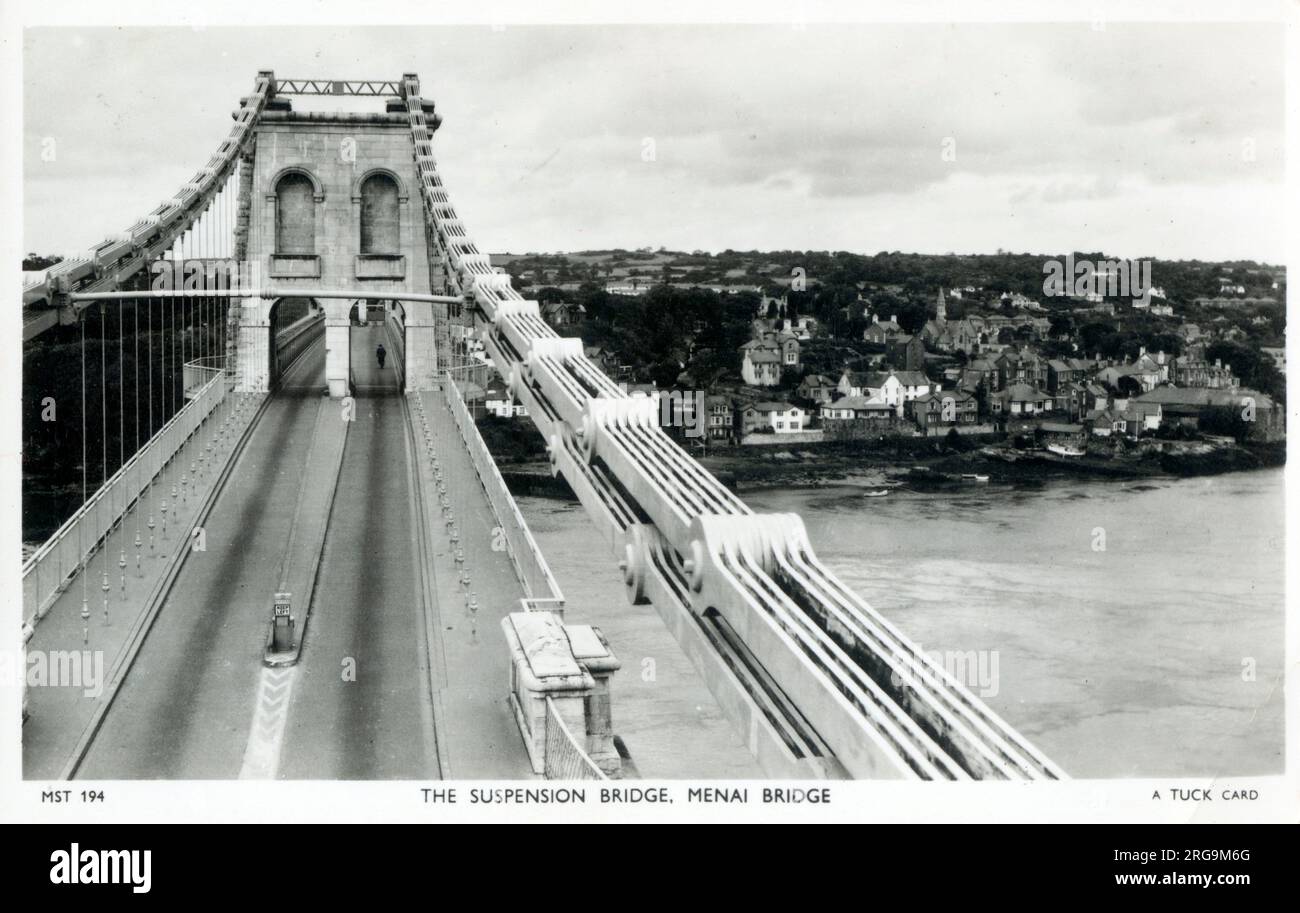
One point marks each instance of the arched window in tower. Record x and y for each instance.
(379, 215)
(295, 215)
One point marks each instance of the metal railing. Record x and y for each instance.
(395, 332)
(540, 587)
(198, 373)
(565, 758)
(295, 339)
(65, 553)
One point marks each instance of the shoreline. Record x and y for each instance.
(802, 466)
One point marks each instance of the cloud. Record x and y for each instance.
(840, 131)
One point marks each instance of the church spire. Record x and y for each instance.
(941, 310)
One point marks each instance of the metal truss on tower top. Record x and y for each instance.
(367, 87)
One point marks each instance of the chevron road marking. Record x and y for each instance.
(266, 737)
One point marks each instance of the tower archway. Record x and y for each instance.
(290, 317)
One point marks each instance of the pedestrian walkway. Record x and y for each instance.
(121, 587)
(474, 586)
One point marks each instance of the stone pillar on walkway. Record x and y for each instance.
(592, 651)
(337, 355)
(421, 347)
(252, 346)
(542, 668)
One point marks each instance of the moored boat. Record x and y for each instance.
(1064, 450)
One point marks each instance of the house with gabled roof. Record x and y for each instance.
(760, 365)
(1020, 399)
(944, 407)
(562, 313)
(817, 387)
(1021, 366)
(780, 417)
(850, 408)
(881, 331)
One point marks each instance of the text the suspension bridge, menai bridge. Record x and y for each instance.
(295, 561)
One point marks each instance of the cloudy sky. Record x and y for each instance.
(1138, 140)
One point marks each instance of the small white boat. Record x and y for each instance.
(973, 477)
(1064, 450)
(878, 493)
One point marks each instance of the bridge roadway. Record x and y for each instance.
(367, 610)
(358, 704)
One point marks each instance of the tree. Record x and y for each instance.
(912, 316)
(1128, 386)
(35, 262)
(549, 294)
(1225, 420)
(982, 397)
(1255, 369)
(1061, 324)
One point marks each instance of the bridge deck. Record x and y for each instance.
(199, 704)
(186, 708)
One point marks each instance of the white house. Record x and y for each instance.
(900, 387)
(497, 401)
(782, 418)
(761, 367)
(893, 388)
(848, 408)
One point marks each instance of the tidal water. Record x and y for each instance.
(1128, 629)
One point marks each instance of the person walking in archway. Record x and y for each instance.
(381, 354)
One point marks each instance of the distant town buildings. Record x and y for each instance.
(978, 360)
(627, 288)
(1197, 372)
(1225, 303)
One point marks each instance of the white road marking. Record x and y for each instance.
(266, 738)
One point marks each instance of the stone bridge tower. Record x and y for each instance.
(331, 201)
